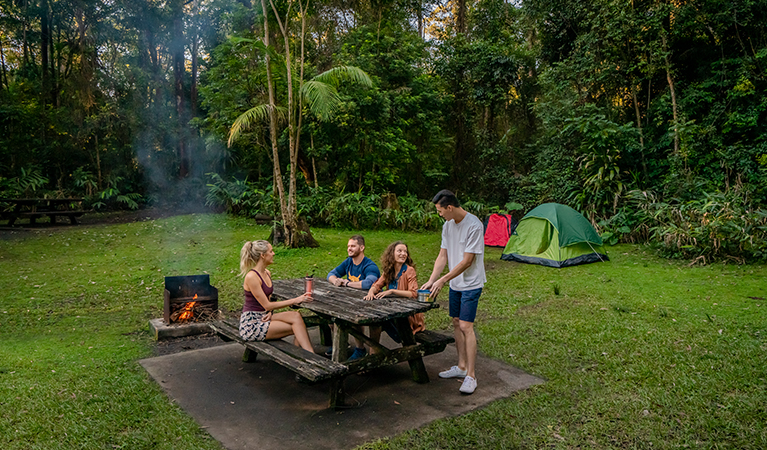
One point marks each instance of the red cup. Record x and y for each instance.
(308, 286)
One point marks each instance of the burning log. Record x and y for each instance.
(194, 312)
(190, 299)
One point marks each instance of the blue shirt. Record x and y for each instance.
(393, 283)
(366, 271)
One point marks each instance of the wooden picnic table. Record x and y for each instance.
(346, 309)
(34, 208)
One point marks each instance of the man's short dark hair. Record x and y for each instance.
(360, 240)
(446, 198)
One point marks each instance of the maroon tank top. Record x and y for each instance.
(251, 304)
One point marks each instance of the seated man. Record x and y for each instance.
(360, 272)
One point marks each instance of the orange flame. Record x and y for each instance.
(187, 313)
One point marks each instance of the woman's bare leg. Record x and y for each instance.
(287, 323)
(375, 334)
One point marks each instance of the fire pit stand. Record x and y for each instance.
(189, 304)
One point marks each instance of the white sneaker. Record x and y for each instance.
(468, 386)
(453, 372)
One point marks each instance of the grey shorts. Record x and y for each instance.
(252, 328)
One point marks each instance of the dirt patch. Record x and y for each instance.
(490, 265)
(23, 228)
(182, 344)
(142, 215)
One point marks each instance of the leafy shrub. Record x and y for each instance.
(715, 227)
(323, 207)
(113, 197)
(353, 210)
(30, 182)
(629, 225)
(239, 197)
(414, 215)
(357, 210)
(85, 180)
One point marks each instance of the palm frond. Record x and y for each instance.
(338, 74)
(258, 113)
(239, 40)
(322, 98)
(269, 50)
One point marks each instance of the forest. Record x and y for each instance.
(649, 117)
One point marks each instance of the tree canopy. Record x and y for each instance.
(579, 102)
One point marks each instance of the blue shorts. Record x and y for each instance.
(463, 304)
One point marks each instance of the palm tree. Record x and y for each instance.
(320, 95)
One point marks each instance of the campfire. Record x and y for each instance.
(189, 299)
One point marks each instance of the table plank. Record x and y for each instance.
(348, 304)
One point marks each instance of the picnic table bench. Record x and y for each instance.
(35, 208)
(310, 366)
(346, 309)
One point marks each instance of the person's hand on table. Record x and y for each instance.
(303, 298)
(340, 282)
(370, 295)
(435, 287)
(383, 294)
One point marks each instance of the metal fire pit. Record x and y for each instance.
(180, 291)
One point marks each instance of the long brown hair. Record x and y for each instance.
(388, 263)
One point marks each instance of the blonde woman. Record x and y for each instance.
(258, 321)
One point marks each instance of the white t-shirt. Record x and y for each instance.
(465, 237)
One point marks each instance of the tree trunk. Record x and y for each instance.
(273, 125)
(460, 105)
(98, 160)
(3, 76)
(460, 133)
(294, 236)
(419, 18)
(670, 80)
(44, 39)
(193, 90)
(460, 22)
(639, 127)
(314, 165)
(195, 64)
(289, 217)
(55, 68)
(177, 53)
(25, 41)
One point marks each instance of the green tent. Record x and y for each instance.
(554, 235)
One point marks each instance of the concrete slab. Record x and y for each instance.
(161, 331)
(260, 405)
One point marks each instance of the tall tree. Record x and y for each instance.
(321, 97)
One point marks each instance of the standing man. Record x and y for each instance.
(463, 249)
(360, 272)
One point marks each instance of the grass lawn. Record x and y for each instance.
(639, 352)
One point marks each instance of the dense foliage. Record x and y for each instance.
(579, 102)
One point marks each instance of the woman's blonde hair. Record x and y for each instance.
(250, 254)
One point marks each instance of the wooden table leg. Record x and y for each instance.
(325, 337)
(249, 356)
(340, 344)
(417, 367)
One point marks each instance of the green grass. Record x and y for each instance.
(639, 352)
